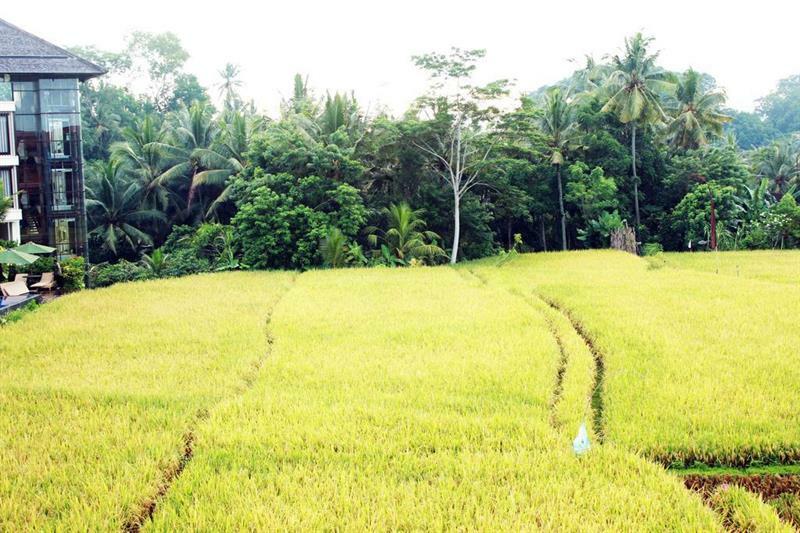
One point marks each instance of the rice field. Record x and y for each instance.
(99, 389)
(766, 265)
(699, 368)
(421, 410)
(401, 399)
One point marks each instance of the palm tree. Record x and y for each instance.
(192, 130)
(696, 113)
(114, 208)
(636, 84)
(225, 157)
(780, 163)
(144, 156)
(405, 235)
(558, 123)
(229, 87)
(333, 248)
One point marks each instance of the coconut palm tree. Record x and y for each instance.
(225, 157)
(114, 208)
(405, 234)
(192, 130)
(559, 125)
(635, 85)
(696, 113)
(144, 155)
(780, 163)
(229, 87)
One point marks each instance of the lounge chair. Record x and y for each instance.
(48, 282)
(14, 288)
(21, 277)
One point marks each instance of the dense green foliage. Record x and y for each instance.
(619, 142)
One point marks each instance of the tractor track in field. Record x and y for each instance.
(577, 326)
(769, 485)
(599, 363)
(147, 508)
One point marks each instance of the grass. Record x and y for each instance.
(765, 265)
(699, 368)
(425, 408)
(97, 390)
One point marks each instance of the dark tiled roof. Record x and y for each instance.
(24, 53)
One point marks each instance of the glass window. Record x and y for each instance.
(26, 102)
(5, 182)
(60, 101)
(6, 94)
(5, 137)
(62, 131)
(58, 83)
(63, 188)
(64, 232)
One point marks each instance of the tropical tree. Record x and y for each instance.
(225, 157)
(780, 163)
(559, 125)
(192, 129)
(636, 85)
(459, 156)
(115, 212)
(334, 248)
(697, 114)
(405, 235)
(144, 156)
(229, 87)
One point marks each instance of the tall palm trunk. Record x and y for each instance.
(542, 233)
(635, 180)
(456, 227)
(561, 210)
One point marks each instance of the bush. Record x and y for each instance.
(183, 262)
(107, 274)
(652, 248)
(44, 264)
(18, 314)
(73, 272)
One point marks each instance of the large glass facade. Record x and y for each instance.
(50, 174)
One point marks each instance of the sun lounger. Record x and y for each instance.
(14, 288)
(47, 282)
(21, 277)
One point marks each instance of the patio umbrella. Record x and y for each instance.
(15, 257)
(33, 248)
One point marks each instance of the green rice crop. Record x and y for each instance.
(415, 399)
(98, 389)
(780, 266)
(699, 368)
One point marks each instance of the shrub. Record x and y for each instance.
(107, 274)
(18, 314)
(652, 248)
(73, 272)
(44, 264)
(184, 261)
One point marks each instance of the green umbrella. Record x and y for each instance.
(33, 248)
(15, 257)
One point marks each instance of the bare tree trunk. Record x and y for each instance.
(561, 210)
(544, 236)
(635, 180)
(456, 227)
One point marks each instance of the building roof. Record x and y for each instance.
(24, 53)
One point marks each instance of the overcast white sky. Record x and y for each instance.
(366, 45)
